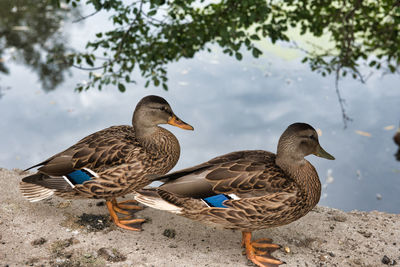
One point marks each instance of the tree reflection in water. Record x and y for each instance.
(30, 34)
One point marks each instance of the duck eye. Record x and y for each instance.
(312, 137)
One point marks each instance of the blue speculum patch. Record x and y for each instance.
(79, 176)
(216, 201)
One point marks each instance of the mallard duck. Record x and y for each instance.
(247, 190)
(112, 162)
(396, 139)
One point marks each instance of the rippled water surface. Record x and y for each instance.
(233, 106)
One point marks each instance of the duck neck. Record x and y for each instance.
(160, 143)
(304, 174)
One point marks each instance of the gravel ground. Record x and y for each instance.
(57, 232)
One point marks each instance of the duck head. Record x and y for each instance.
(300, 140)
(154, 110)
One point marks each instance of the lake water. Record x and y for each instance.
(233, 106)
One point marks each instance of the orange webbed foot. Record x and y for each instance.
(124, 222)
(259, 251)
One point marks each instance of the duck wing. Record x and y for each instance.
(244, 173)
(98, 151)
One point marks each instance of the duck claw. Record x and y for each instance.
(128, 205)
(124, 206)
(259, 251)
(125, 221)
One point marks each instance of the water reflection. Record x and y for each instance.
(30, 31)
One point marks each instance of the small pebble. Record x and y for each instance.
(340, 218)
(38, 242)
(111, 255)
(170, 233)
(64, 205)
(385, 260)
(287, 249)
(101, 203)
(323, 257)
(365, 234)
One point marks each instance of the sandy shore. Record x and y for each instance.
(57, 232)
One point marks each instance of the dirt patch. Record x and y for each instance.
(32, 261)
(65, 254)
(94, 222)
(58, 248)
(111, 254)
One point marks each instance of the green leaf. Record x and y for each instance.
(165, 86)
(156, 82)
(255, 37)
(238, 56)
(89, 61)
(56, 3)
(256, 52)
(121, 87)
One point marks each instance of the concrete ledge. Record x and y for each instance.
(49, 233)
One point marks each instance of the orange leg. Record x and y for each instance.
(117, 209)
(132, 205)
(121, 223)
(253, 253)
(127, 204)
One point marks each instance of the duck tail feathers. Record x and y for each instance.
(151, 198)
(32, 189)
(33, 192)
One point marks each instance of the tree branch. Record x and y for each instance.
(85, 17)
(341, 101)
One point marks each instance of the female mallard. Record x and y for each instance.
(112, 162)
(247, 190)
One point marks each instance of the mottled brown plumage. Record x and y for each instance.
(266, 190)
(124, 158)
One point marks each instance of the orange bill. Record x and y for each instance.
(175, 121)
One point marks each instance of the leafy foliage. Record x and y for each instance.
(149, 34)
(29, 34)
(360, 30)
